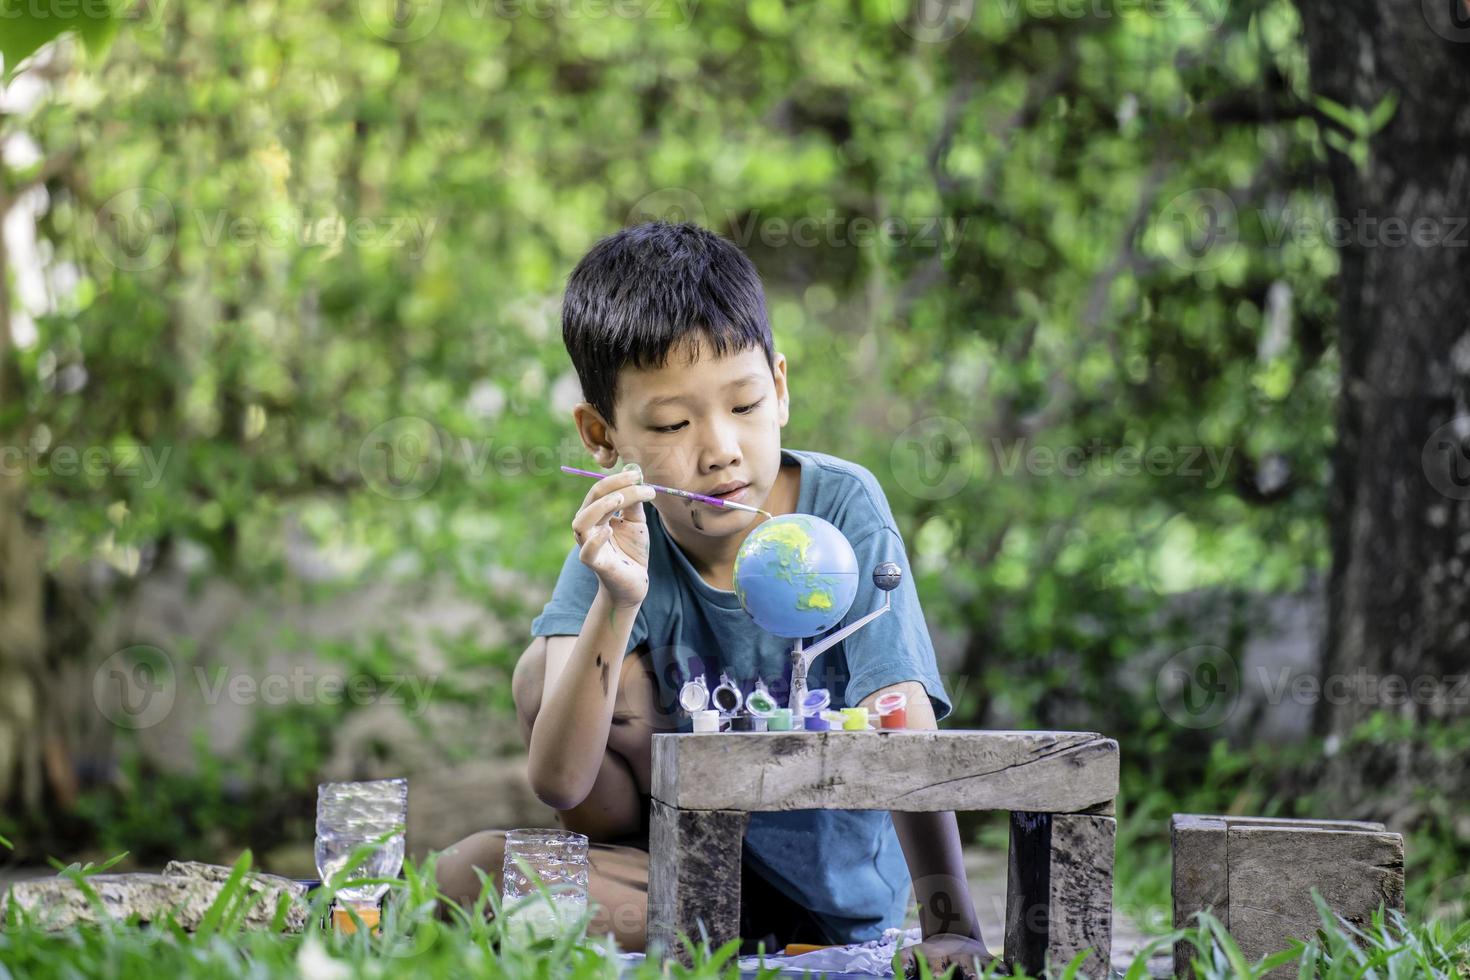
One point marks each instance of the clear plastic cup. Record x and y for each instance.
(352, 814)
(544, 885)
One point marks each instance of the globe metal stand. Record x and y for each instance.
(886, 576)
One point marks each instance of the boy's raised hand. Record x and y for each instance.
(615, 545)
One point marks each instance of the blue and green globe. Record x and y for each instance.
(796, 575)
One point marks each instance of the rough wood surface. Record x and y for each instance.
(1274, 869)
(1256, 874)
(1199, 877)
(1082, 850)
(187, 888)
(1059, 895)
(693, 877)
(1053, 772)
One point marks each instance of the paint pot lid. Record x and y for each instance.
(727, 696)
(694, 696)
(760, 703)
(815, 701)
(891, 702)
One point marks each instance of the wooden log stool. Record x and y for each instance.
(1058, 787)
(1256, 874)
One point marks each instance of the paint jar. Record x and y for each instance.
(815, 702)
(740, 723)
(780, 720)
(816, 723)
(855, 719)
(892, 710)
(727, 697)
(706, 721)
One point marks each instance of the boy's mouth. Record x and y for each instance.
(736, 493)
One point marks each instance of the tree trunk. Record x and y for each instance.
(22, 636)
(1399, 601)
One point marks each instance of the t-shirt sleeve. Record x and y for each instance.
(896, 646)
(565, 612)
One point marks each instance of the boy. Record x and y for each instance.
(666, 326)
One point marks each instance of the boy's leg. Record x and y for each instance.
(614, 815)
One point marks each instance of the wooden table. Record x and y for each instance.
(1059, 788)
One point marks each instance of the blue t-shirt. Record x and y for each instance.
(846, 866)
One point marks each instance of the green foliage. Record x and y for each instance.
(29, 25)
(317, 257)
(413, 938)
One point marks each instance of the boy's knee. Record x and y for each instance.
(527, 680)
(455, 870)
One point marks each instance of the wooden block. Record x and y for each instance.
(1257, 873)
(693, 877)
(1059, 891)
(1274, 869)
(1049, 772)
(1199, 876)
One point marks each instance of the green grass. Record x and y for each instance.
(413, 941)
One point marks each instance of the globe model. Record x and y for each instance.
(796, 575)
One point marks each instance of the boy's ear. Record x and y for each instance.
(595, 434)
(783, 393)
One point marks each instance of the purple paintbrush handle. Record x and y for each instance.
(680, 493)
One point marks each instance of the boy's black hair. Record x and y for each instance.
(637, 294)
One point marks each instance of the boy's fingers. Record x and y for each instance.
(636, 495)
(598, 512)
(610, 484)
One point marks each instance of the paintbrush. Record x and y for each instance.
(690, 494)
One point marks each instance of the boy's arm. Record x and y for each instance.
(569, 737)
(931, 843)
(613, 809)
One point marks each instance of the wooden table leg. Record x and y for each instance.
(693, 876)
(1059, 892)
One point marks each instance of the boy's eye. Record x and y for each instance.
(740, 409)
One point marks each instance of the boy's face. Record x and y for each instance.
(698, 426)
